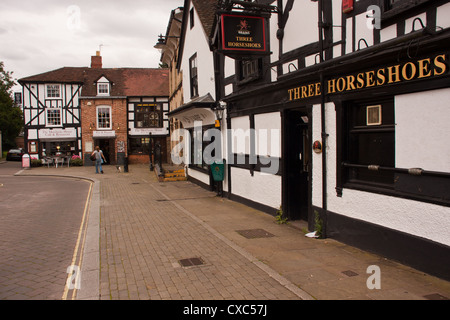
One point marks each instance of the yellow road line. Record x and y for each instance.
(80, 240)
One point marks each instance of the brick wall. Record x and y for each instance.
(118, 119)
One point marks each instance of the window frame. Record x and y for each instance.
(245, 77)
(191, 18)
(104, 85)
(139, 146)
(193, 75)
(98, 119)
(203, 167)
(356, 131)
(48, 112)
(158, 109)
(48, 91)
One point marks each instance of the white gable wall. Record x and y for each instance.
(196, 41)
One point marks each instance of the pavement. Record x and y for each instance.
(177, 241)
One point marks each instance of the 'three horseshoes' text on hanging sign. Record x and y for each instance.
(243, 34)
(420, 69)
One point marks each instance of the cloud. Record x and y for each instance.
(39, 36)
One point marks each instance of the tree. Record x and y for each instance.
(11, 118)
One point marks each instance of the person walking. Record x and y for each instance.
(99, 158)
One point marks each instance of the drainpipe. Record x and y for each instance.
(323, 120)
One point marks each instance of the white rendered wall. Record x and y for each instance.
(301, 28)
(261, 188)
(422, 130)
(196, 41)
(200, 176)
(268, 134)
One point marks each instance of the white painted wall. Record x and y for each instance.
(261, 188)
(422, 130)
(240, 142)
(443, 16)
(268, 134)
(301, 28)
(196, 41)
(200, 176)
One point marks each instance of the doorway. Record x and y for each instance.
(107, 147)
(297, 164)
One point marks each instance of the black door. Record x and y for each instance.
(107, 147)
(297, 161)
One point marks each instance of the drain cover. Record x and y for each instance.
(191, 262)
(349, 273)
(255, 233)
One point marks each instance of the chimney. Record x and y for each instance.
(96, 61)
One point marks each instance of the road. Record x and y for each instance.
(40, 227)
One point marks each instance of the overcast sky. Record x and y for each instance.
(37, 36)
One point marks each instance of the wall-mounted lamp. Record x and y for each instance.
(219, 109)
(91, 126)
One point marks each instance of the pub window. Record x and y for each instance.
(104, 118)
(54, 117)
(148, 116)
(193, 74)
(53, 91)
(197, 148)
(250, 69)
(370, 143)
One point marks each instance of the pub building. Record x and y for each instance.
(361, 106)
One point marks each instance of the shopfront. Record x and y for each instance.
(143, 142)
(106, 141)
(54, 143)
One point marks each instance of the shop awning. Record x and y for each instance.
(199, 109)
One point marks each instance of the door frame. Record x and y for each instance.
(287, 182)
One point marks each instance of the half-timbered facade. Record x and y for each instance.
(344, 119)
(52, 113)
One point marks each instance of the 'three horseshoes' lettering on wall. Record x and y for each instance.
(424, 68)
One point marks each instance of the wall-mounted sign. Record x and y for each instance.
(104, 134)
(147, 131)
(243, 35)
(433, 66)
(58, 134)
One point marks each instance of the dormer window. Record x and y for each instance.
(103, 87)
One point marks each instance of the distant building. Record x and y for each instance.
(70, 110)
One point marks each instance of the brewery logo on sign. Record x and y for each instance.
(244, 28)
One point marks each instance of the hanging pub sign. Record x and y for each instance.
(243, 35)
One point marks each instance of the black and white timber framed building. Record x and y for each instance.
(357, 98)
